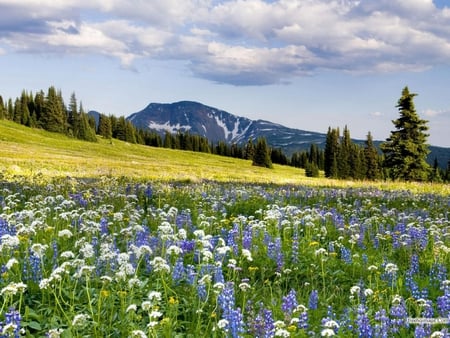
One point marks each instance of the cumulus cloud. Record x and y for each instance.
(251, 42)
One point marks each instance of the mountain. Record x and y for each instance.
(219, 125)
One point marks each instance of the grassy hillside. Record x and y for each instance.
(25, 151)
(31, 153)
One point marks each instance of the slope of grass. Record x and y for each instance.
(32, 152)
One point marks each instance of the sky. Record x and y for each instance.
(305, 64)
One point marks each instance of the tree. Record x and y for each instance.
(261, 156)
(105, 126)
(53, 113)
(373, 171)
(331, 153)
(406, 149)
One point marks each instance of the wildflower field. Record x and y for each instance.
(115, 258)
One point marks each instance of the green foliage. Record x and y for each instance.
(406, 149)
(261, 157)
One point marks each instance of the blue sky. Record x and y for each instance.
(306, 64)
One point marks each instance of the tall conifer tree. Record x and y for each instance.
(406, 149)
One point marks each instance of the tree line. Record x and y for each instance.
(402, 156)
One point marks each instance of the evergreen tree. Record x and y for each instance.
(344, 154)
(435, 175)
(105, 127)
(86, 131)
(261, 156)
(73, 118)
(2, 109)
(53, 114)
(331, 153)
(167, 140)
(406, 149)
(249, 150)
(373, 170)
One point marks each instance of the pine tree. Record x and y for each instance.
(406, 149)
(2, 109)
(53, 113)
(73, 118)
(105, 127)
(331, 153)
(373, 171)
(249, 150)
(344, 155)
(261, 156)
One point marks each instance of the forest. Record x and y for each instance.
(341, 158)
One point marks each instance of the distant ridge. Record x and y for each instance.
(218, 125)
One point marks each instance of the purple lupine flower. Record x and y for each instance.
(443, 302)
(363, 326)
(398, 314)
(103, 227)
(178, 272)
(381, 328)
(313, 300)
(12, 324)
(289, 303)
(247, 238)
(263, 325)
(346, 255)
(234, 318)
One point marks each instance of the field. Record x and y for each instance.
(97, 241)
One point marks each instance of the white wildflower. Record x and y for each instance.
(320, 252)
(331, 324)
(146, 305)
(175, 250)
(282, 333)
(244, 286)
(65, 233)
(355, 289)
(54, 333)
(87, 250)
(372, 268)
(206, 279)
(39, 249)
(80, 320)
(131, 308)
(160, 264)
(67, 254)
(155, 314)
(11, 262)
(222, 324)
(132, 282)
(9, 242)
(155, 296)
(247, 255)
(368, 292)
(327, 333)
(138, 334)
(391, 268)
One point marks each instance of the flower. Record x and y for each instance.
(80, 320)
(327, 333)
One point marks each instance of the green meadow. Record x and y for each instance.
(110, 239)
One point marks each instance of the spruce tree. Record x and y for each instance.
(406, 149)
(261, 156)
(331, 153)
(2, 109)
(105, 126)
(53, 113)
(344, 155)
(373, 171)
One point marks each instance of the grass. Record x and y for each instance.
(31, 153)
(148, 249)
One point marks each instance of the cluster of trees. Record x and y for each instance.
(48, 111)
(403, 155)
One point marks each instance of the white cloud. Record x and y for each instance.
(237, 41)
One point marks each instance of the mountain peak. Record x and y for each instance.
(219, 125)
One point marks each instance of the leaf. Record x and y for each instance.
(34, 325)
